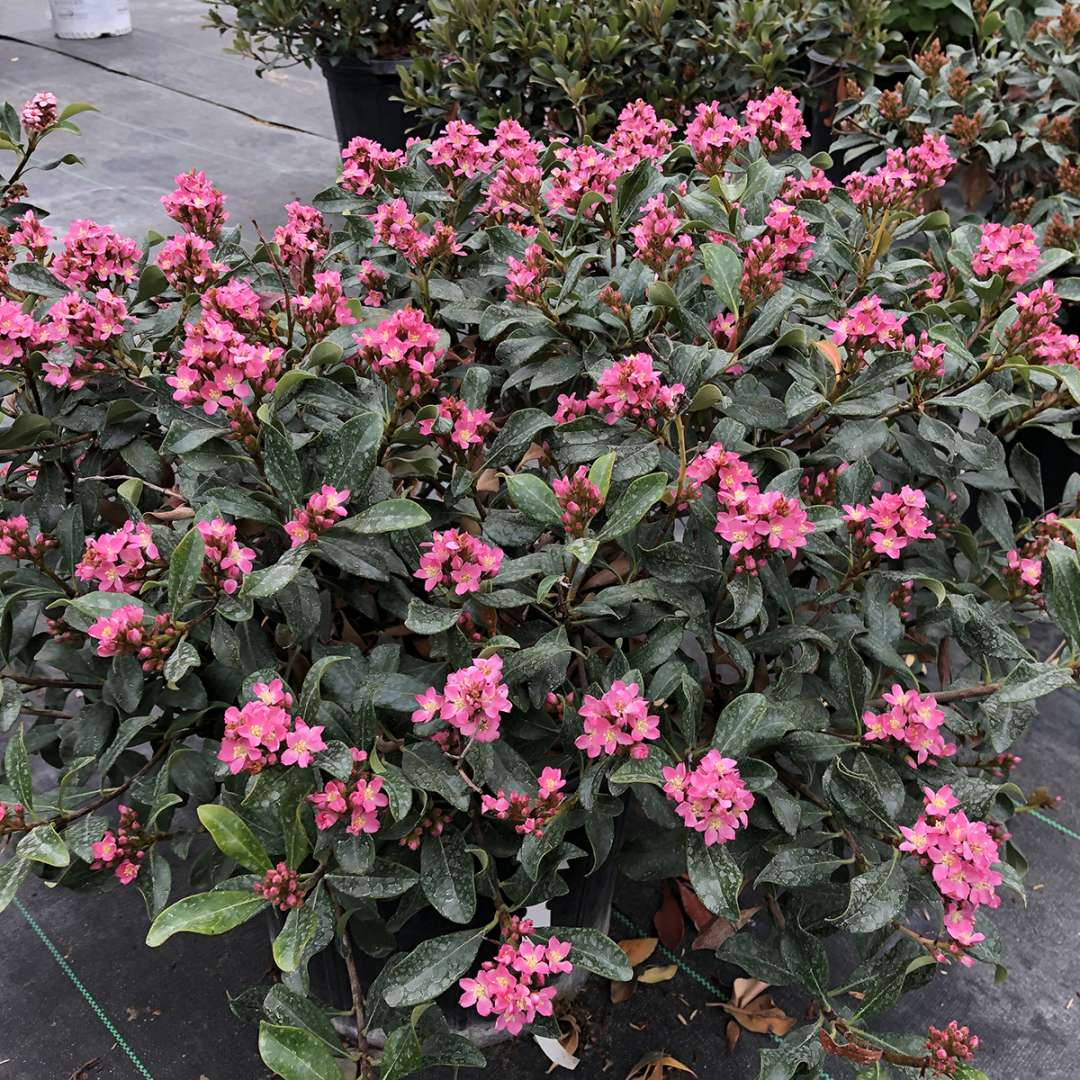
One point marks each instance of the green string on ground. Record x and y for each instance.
(1055, 824)
(66, 968)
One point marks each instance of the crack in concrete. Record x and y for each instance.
(170, 89)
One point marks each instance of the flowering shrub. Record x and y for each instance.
(1009, 107)
(572, 66)
(656, 479)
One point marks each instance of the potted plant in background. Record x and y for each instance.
(357, 43)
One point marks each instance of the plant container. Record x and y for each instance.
(361, 93)
(83, 19)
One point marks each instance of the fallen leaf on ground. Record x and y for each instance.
(656, 1067)
(658, 974)
(731, 1033)
(638, 950)
(755, 1010)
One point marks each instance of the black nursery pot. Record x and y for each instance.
(360, 96)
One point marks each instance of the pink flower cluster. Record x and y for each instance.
(118, 561)
(325, 309)
(221, 370)
(15, 542)
(639, 135)
(460, 150)
(777, 121)
(468, 426)
(361, 798)
(72, 374)
(893, 519)
(867, 325)
(735, 480)
(961, 854)
(1025, 572)
(1035, 335)
(528, 816)
(783, 248)
(303, 239)
(1009, 250)
(196, 205)
(658, 242)
(525, 277)
(950, 1047)
(187, 262)
(618, 719)
(766, 521)
(32, 234)
(582, 170)
(12, 813)
(123, 851)
(711, 798)
(365, 162)
(281, 887)
(472, 700)
(512, 986)
(370, 277)
(95, 257)
(714, 137)
(632, 389)
(928, 357)
(816, 186)
(514, 189)
(39, 112)
(569, 407)
(579, 500)
(913, 719)
(227, 561)
(905, 176)
(403, 351)
(455, 557)
(20, 334)
(398, 227)
(321, 512)
(124, 633)
(254, 734)
(89, 324)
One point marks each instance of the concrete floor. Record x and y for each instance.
(171, 100)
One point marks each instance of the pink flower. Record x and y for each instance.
(196, 205)
(639, 135)
(472, 700)
(123, 851)
(89, 324)
(460, 150)
(20, 334)
(281, 887)
(39, 112)
(396, 226)
(529, 816)
(455, 557)
(632, 389)
(579, 500)
(186, 262)
(776, 121)
(711, 798)
(890, 522)
(525, 277)
(227, 561)
(468, 426)
(764, 522)
(1009, 250)
(512, 985)
(904, 178)
(118, 561)
(658, 243)
(867, 325)
(714, 137)
(619, 719)
(402, 351)
(365, 164)
(816, 187)
(303, 240)
(581, 170)
(32, 234)
(914, 720)
(321, 512)
(784, 247)
(96, 257)
(303, 743)
(325, 309)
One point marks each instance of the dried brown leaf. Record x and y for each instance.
(668, 920)
(638, 950)
(699, 914)
(658, 974)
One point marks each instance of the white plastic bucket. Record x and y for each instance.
(90, 18)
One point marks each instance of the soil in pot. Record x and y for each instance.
(361, 93)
